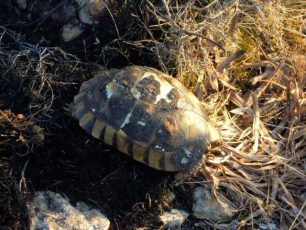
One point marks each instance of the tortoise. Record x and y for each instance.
(145, 114)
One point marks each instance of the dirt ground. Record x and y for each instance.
(44, 149)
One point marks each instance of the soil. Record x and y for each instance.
(42, 148)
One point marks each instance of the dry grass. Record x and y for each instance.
(256, 98)
(34, 81)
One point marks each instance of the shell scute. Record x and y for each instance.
(141, 124)
(119, 105)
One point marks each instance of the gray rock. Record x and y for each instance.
(71, 32)
(206, 206)
(50, 211)
(173, 219)
(22, 4)
(92, 10)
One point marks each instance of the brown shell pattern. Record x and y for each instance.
(145, 114)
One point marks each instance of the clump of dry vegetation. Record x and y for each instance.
(246, 60)
(34, 80)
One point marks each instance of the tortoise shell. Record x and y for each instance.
(145, 114)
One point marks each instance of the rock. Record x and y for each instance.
(70, 32)
(22, 4)
(97, 8)
(85, 16)
(206, 206)
(173, 219)
(92, 10)
(50, 211)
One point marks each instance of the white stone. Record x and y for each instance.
(206, 206)
(85, 16)
(173, 219)
(70, 32)
(91, 10)
(50, 211)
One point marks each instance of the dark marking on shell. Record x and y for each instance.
(173, 96)
(115, 140)
(146, 155)
(163, 137)
(162, 162)
(118, 107)
(97, 128)
(189, 154)
(102, 134)
(168, 137)
(149, 88)
(141, 124)
(164, 107)
(130, 148)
